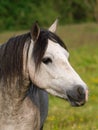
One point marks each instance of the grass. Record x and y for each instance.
(82, 42)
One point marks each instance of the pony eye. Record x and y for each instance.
(47, 60)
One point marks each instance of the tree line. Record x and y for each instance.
(20, 14)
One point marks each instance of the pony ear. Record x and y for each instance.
(53, 26)
(35, 31)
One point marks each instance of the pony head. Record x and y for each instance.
(48, 66)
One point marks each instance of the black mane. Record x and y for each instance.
(11, 53)
(11, 56)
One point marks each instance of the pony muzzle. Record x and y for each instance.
(78, 96)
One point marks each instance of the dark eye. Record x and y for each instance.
(47, 60)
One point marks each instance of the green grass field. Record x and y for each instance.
(82, 43)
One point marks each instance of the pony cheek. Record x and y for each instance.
(40, 79)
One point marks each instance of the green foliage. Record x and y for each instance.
(75, 11)
(20, 14)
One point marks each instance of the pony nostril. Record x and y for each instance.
(80, 90)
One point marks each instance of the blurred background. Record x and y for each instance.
(78, 28)
(20, 14)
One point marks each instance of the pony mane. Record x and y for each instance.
(11, 56)
(40, 45)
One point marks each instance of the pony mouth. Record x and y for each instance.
(75, 102)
